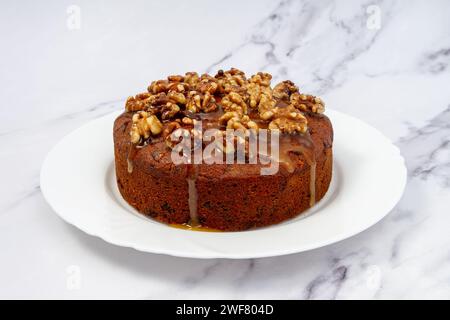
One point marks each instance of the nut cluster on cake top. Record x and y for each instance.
(241, 103)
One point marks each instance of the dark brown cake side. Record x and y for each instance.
(230, 197)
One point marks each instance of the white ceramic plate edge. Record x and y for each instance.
(205, 252)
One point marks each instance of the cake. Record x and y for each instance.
(222, 195)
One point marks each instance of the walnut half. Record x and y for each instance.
(143, 125)
(306, 102)
(288, 119)
(288, 125)
(237, 121)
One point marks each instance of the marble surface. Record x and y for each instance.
(392, 72)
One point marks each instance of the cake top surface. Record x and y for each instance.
(228, 100)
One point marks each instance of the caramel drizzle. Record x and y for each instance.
(129, 165)
(187, 226)
(132, 151)
(301, 143)
(191, 179)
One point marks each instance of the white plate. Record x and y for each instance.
(78, 181)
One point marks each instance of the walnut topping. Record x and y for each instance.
(260, 94)
(244, 103)
(178, 87)
(169, 110)
(306, 102)
(236, 121)
(171, 127)
(187, 120)
(231, 80)
(176, 78)
(227, 116)
(177, 97)
(208, 85)
(254, 92)
(208, 103)
(197, 102)
(191, 78)
(262, 79)
(266, 103)
(284, 89)
(144, 101)
(158, 86)
(288, 119)
(135, 104)
(234, 102)
(194, 102)
(244, 123)
(143, 125)
(288, 125)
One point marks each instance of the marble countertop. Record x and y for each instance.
(385, 62)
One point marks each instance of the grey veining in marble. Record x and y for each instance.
(385, 62)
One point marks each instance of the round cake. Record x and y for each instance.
(177, 159)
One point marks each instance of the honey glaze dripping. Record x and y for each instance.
(129, 165)
(209, 120)
(130, 157)
(192, 172)
(301, 143)
(187, 226)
